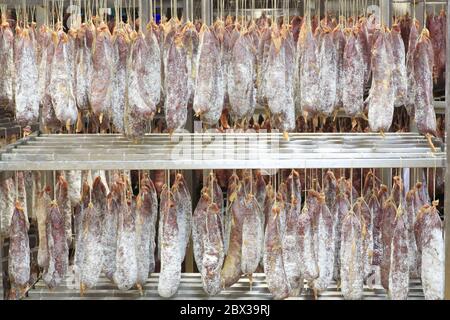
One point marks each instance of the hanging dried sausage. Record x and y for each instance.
(121, 49)
(26, 79)
(400, 79)
(92, 264)
(109, 226)
(209, 88)
(324, 240)
(146, 214)
(423, 75)
(183, 202)
(342, 208)
(273, 257)
(126, 272)
(176, 84)
(308, 262)
(432, 244)
(352, 269)
(170, 275)
(252, 233)
(60, 87)
(399, 268)
(381, 95)
(213, 253)
(7, 70)
(410, 217)
(58, 251)
(387, 229)
(62, 197)
(353, 76)
(327, 73)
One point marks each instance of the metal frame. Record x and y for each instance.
(442, 162)
(447, 172)
(187, 151)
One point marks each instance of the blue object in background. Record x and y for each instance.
(157, 18)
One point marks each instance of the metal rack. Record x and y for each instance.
(268, 151)
(191, 288)
(189, 151)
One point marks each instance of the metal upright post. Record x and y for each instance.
(206, 11)
(145, 11)
(447, 171)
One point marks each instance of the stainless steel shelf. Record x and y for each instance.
(187, 151)
(191, 288)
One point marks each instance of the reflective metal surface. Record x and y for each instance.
(184, 151)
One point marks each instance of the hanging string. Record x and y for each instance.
(351, 187)
(434, 180)
(16, 178)
(90, 187)
(54, 185)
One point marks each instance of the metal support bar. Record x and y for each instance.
(207, 11)
(447, 172)
(145, 10)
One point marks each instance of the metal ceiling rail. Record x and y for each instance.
(189, 151)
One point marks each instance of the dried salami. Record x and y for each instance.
(363, 211)
(324, 247)
(252, 233)
(308, 65)
(353, 76)
(376, 212)
(339, 41)
(387, 229)
(209, 87)
(146, 214)
(126, 272)
(62, 197)
(399, 268)
(58, 251)
(92, 236)
(7, 202)
(116, 200)
(191, 42)
(83, 70)
(170, 275)
(330, 190)
(102, 63)
(277, 281)
(176, 84)
(279, 89)
(411, 84)
(308, 261)
(7, 70)
(381, 95)
(121, 49)
(26, 79)
(183, 202)
(213, 254)
(341, 210)
(42, 208)
(231, 271)
(140, 108)
(432, 255)
(400, 79)
(423, 75)
(410, 217)
(74, 182)
(352, 269)
(327, 73)
(199, 227)
(60, 87)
